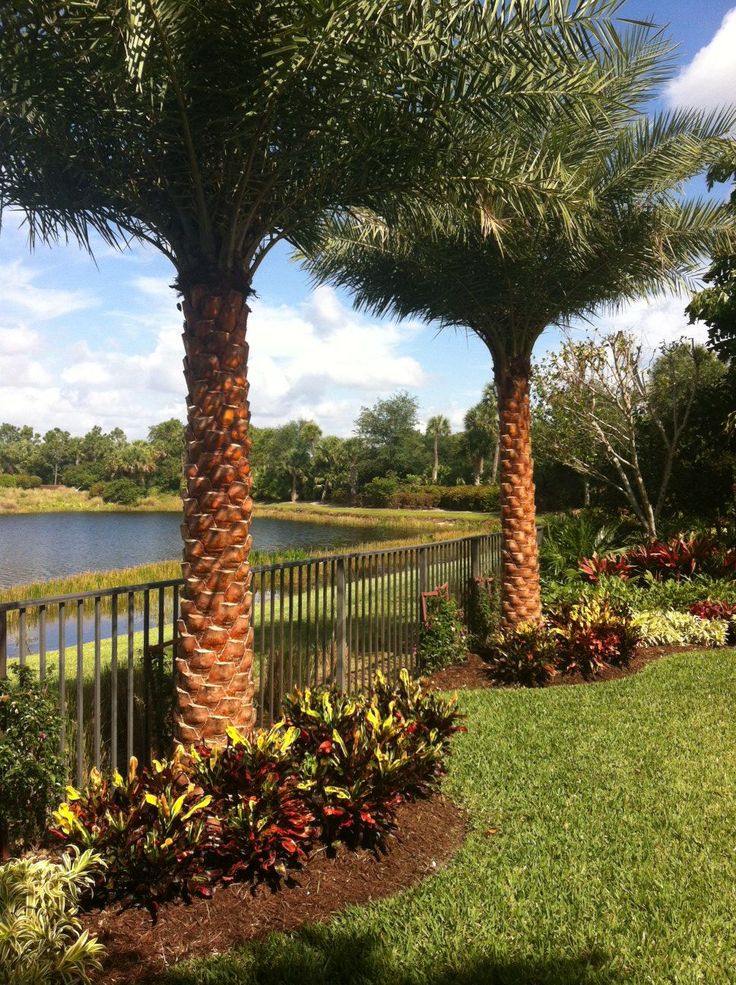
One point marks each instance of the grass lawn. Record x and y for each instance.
(602, 850)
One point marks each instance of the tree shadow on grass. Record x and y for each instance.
(328, 955)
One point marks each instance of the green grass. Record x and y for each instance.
(65, 500)
(614, 860)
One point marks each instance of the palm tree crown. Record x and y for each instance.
(630, 234)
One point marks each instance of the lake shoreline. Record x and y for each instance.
(17, 502)
(170, 570)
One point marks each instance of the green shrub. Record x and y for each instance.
(442, 638)
(484, 611)
(149, 828)
(122, 491)
(569, 537)
(97, 489)
(378, 491)
(483, 499)
(334, 769)
(263, 825)
(41, 937)
(31, 771)
(652, 596)
(524, 656)
(20, 481)
(670, 628)
(415, 499)
(84, 476)
(592, 635)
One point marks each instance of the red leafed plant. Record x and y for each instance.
(592, 635)
(260, 826)
(681, 557)
(713, 609)
(150, 829)
(615, 565)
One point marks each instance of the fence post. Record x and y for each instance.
(340, 624)
(422, 580)
(3, 644)
(475, 557)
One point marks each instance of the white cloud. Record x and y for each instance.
(40, 303)
(18, 340)
(709, 80)
(317, 360)
(655, 322)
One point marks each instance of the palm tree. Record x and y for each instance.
(302, 437)
(633, 235)
(330, 462)
(213, 129)
(437, 427)
(481, 434)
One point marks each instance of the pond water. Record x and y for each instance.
(36, 547)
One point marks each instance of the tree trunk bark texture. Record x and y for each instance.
(520, 593)
(215, 646)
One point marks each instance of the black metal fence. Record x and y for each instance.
(337, 619)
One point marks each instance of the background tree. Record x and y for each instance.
(438, 428)
(214, 129)
(390, 436)
(298, 455)
(329, 465)
(511, 276)
(716, 304)
(57, 450)
(168, 440)
(601, 393)
(481, 435)
(18, 448)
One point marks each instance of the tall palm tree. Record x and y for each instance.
(213, 129)
(438, 427)
(481, 434)
(631, 234)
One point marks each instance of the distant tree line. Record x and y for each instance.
(389, 454)
(611, 426)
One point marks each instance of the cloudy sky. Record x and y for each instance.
(84, 343)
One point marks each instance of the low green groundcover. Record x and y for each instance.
(601, 852)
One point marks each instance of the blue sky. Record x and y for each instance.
(84, 343)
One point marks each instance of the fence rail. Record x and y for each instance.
(335, 619)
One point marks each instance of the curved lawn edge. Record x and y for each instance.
(428, 835)
(599, 850)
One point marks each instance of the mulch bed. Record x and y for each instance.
(428, 834)
(475, 672)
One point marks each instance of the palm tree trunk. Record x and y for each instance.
(294, 494)
(494, 467)
(215, 646)
(520, 594)
(436, 466)
(479, 466)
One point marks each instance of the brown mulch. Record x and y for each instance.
(475, 672)
(428, 834)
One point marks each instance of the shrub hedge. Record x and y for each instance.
(20, 481)
(388, 492)
(332, 770)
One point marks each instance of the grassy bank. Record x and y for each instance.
(366, 516)
(75, 501)
(600, 850)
